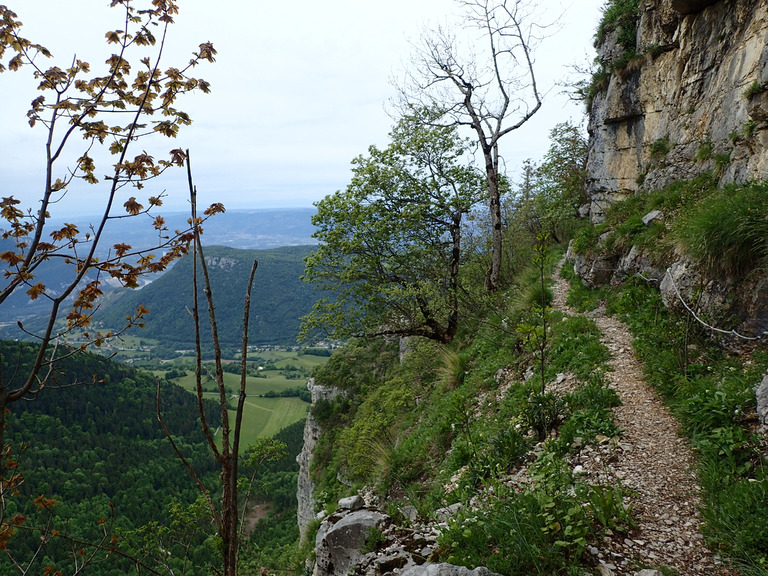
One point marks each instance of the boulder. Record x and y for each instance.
(445, 570)
(653, 216)
(339, 546)
(351, 503)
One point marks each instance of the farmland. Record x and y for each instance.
(274, 381)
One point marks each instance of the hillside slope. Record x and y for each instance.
(92, 443)
(278, 300)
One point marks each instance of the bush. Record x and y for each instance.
(660, 148)
(621, 15)
(526, 533)
(728, 230)
(754, 89)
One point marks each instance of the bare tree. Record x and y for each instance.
(225, 511)
(87, 116)
(493, 92)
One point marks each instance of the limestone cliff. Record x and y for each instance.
(691, 99)
(306, 487)
(688, 97)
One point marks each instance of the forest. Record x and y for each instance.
(97, 456)
(279, 299)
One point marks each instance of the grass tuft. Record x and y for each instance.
(728, 230)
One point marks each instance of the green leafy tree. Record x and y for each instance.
(553, 191)
(390, 244)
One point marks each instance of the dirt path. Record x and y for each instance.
(652, 461)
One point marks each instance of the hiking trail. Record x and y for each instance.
(652, 461)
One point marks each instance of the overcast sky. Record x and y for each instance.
(298, 89)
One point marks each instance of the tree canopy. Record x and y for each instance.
(552, 191)
(390, 243)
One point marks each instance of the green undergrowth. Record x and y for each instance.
(712, 395)
(728, 230)
(453, 424)
(723, 229)
(620, 16)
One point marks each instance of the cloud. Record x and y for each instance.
(298, 90)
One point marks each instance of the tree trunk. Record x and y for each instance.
(494, 199)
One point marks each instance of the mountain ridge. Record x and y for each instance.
(279, 298)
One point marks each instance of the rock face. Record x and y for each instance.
(339, 546)
(761, 392)
(366, 542)
(445, 570)
(695, 101)
(305, 488)
(681, 110)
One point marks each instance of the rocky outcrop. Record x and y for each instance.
(340, 545)
(694, 101)
(306, 487)
(761, 393)
(366, 542)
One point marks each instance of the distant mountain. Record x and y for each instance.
(245, 229)
(279, 298)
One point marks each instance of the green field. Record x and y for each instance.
(264, 416)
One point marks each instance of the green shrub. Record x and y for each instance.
(543, 413)
(621, 15)
(728, 230)
(586, 239)
(576, 348)
(510, 447)
(598, 83)
(735, 519)
(655, 50)
(754, 89)
(527, 533)
(365, 445)
(704, 151)
(629, 61)
(660, 148)
(749, 128)
(606, 504)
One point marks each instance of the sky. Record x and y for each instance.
(298, 90)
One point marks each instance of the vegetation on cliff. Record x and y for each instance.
(449, 423)
(491, 420)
